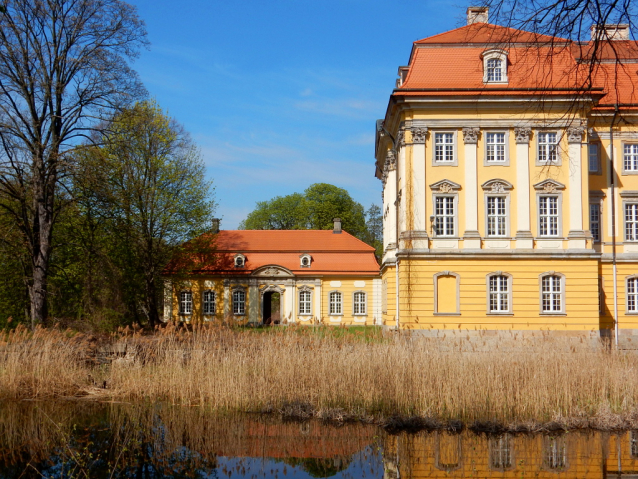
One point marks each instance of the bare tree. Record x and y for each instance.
(63, 68)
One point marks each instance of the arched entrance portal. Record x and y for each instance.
(271, 305)
(271, 308)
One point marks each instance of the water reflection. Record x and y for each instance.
(73, 439)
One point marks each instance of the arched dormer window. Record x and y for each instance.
(495, 66)
(305, 260)
(240, 261)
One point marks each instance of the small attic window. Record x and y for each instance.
(305, 260)
(240, 261)
(495, 66)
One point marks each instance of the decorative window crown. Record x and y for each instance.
(305, 260)
(239, 260)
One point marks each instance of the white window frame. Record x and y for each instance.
(506, 217)
(239, 261)
(595, 204)
(185, 303)
(335, 307)
(555, 456)
(362, 306)
(495, 54)
(631, 294)
(630, 158)
(454, 160)
(501, 453)
(307, 259)
(239, 305)
(306, 302)
(448, 197)
(436, 293)
(549, 149)
(499, 292)
(630, 227)
(559, 279)
(540, 198)
(594, 165)
(505, 144)
(206, 303)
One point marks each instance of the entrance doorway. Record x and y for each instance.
(271, 308)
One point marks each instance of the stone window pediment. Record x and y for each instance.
(549, 186)
(270, 271)
(445, 186)
(497, 186)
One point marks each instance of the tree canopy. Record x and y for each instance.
(316, 209)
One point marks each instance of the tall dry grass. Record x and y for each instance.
(523, 380)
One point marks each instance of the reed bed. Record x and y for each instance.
(305, 374)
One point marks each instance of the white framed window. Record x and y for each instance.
(305, 260)
(496, 148)
(633, 444)
(496, 207)
(305, 302)
(594, 220)
(552, 293)
(239, 302)
(495, 66)
(499, 293)
(630, 158)
(240, 261)
(555, 453)
(547, 147)
(444, 148)
(208, 302)
(335, 300)
(501, 452)
(359, 303)
(593, 155)
(631, 221)
(632, 294)
(444, 215)
(186, 302)
(548, 215)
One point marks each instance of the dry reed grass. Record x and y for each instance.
(306, 374)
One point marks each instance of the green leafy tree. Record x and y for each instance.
(316, 209)
(374, 224)
(149, 185)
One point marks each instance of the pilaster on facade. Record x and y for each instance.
(524, 237)
(471, 236)
(577, 238)
(391, 202)
(419, 189)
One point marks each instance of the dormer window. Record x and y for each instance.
(495, 66)
(305, 260)
(240, 261)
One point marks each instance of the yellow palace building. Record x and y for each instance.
(510, 183)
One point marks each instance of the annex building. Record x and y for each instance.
(510, 183)
(279, 277)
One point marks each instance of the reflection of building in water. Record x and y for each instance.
(573, 455)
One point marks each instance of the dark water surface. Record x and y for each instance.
(86, 439)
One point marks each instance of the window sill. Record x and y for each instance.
(447, 314)
(553, 314)
(491, 313)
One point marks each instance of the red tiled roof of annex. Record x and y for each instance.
(451, 63)
(339, 254)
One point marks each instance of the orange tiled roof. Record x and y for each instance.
(450, 63)
(331, 253)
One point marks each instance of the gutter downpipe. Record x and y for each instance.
(613, 221)
(396, 223)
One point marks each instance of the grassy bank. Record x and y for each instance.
(338, 376)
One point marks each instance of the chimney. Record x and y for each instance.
(337, 229)
(610, 31)
(215, 223)
(477, 15)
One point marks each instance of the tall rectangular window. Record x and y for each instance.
(594, 159)
(209, 302)
(496, 216)
(495, 147)
(494, 70)
(336, 305)
(632, 295)
(359, 302)
(631, 221)
(499, 294)
(630, 157)
(547, 147)
(443, 147)
(551, 294)
(444, 216)
(594, 221)
(548, 215)
(185, 302)
(305, 304)
(239, 302)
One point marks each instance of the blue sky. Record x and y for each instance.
(280, 94)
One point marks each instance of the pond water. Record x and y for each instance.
(87, 439)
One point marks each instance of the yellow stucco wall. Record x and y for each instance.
(346, 286)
